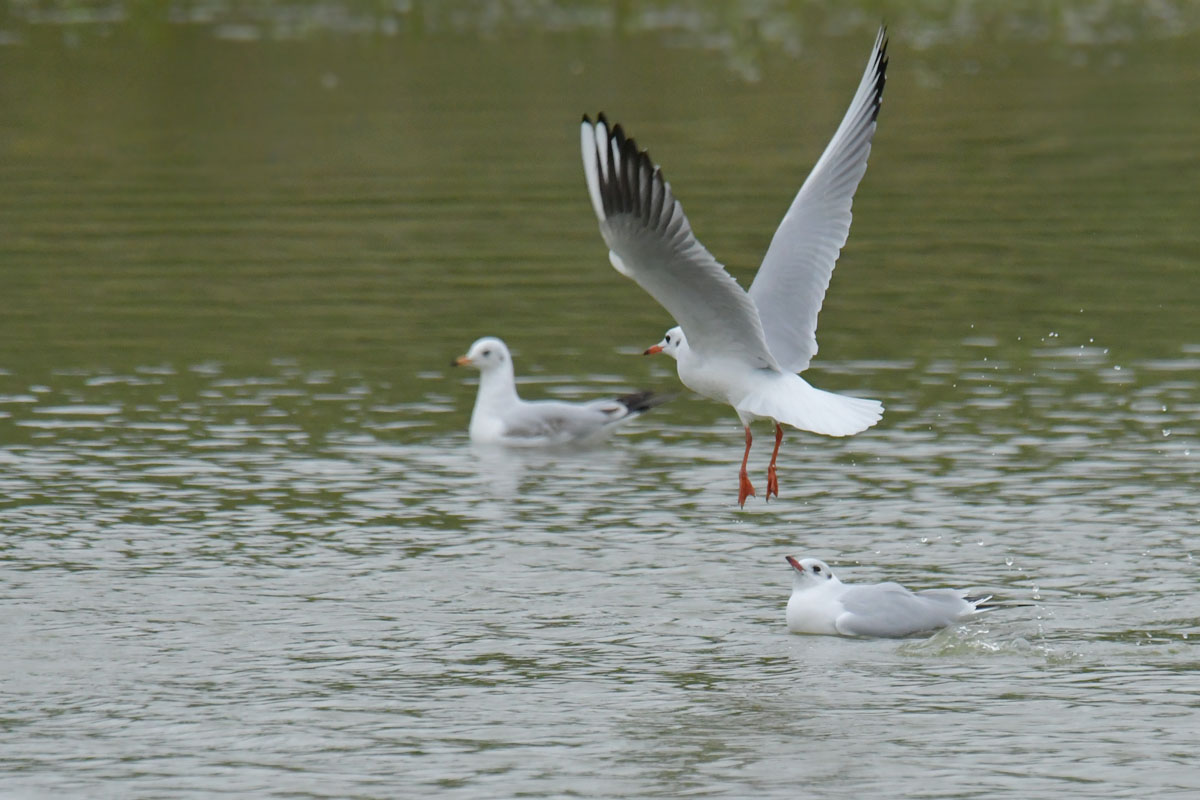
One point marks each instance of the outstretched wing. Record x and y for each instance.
(790, 285)
(650, 241)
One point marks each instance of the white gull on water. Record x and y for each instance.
(742, 348)
(820, 603)
(500, 416)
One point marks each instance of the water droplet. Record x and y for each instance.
(1166, 431)
(1008, 560)
(1117, 367)
(924, 540)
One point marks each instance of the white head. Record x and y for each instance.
(809, 572)
(671, 344)
(486, 354)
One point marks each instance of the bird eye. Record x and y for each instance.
(817, 570)
(668, 340)
(487, 352)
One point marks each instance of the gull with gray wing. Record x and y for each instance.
(822, 604)
(737, 347)
(501, 417)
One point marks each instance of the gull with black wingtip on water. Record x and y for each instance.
(501, 417)
(822, 604)
(737, 347)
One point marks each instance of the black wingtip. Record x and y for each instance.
(601, 119)
(618, 133)
(881, 64)
(628, 181)
(640, 402)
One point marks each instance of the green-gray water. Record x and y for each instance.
(246, 548)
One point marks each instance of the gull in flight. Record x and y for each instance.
(501, 417)
(820, 603)
(742, 348)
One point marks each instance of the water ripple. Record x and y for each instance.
(252, 569)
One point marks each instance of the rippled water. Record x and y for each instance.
(205, 591)
(246, 547)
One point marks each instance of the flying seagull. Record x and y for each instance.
(742, 348)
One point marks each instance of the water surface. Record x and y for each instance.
(246, 547)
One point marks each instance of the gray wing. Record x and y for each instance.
(650, 241)
(888, 609)
(543, 422)
(790, 285)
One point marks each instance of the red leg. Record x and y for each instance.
(772, 481)
(745, 488)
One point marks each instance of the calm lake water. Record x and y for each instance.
(246, 547)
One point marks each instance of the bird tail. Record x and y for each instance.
(803, 406)
(979, 602)
(983, 602)
(641, 402)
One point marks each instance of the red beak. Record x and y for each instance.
(653, 350)
(795, 564)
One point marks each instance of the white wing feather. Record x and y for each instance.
(791, 283)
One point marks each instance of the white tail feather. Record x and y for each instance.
(794, 402)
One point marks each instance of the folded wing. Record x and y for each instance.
(542, 422)
(888, 609)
